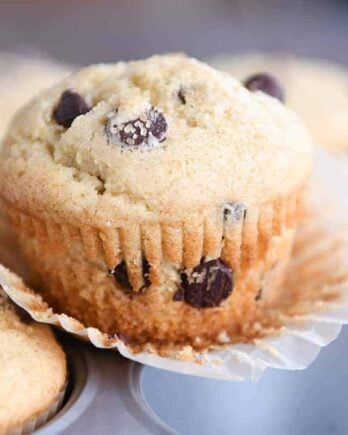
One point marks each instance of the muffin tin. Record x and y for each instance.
(107, 397)
(104, 396)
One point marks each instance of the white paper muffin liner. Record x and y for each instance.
(36, 422)
(319, 266)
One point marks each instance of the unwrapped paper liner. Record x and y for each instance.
(319, 263)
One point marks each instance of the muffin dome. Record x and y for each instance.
(152, 138)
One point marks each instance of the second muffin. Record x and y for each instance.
(33, 371)
(156, 199)
(316, 89)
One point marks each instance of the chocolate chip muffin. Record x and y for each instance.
(316, 89)
(21, 77)
(33, 371)
(156, 199)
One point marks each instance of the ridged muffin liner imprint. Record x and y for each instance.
(39, 420)
(238, 235)
(318, 278)
(244, 238)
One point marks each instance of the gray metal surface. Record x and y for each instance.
(309, 402)
(105, 398)
(112, 395)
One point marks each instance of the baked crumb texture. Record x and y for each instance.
(33, 367)
(156, 198)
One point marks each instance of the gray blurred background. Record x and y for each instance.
(105, 30)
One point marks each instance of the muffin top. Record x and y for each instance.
(32, 364)
(21, 77)
(316, 89)
(160, 138)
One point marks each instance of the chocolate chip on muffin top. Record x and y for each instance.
(162, 137)
(316, 89)
(147, 130)
(266, 83)
(70, 106)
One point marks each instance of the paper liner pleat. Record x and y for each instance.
(184, 244)
(111, 246)
(249, 239)
(91, 242)
(193, 234)
(265, 229)
(172, 243)
(213, 235)
(152, 248)
(130, 237)
(231, 252)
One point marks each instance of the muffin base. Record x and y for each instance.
(70, 268)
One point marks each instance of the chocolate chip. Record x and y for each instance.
(146, 273)
(258, 294)
(182, 96)
(70, 106)
(24, 317)
(266, 83)
(207, 286)
(234, 211)
(121, 275)
(179, 295)
(139, 131)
